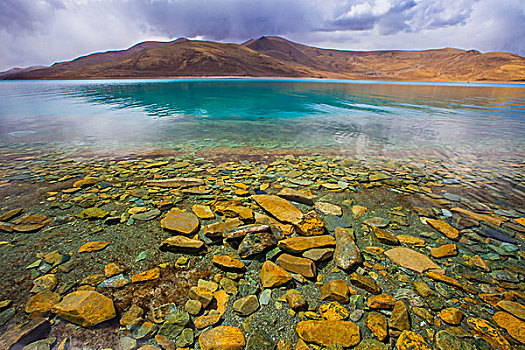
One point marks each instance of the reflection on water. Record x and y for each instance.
(355, 117)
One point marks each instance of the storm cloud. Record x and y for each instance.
(40, 32)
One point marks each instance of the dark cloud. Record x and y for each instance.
(44, 31)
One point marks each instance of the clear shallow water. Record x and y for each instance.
(354, 117)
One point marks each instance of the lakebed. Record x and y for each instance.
(348, 220)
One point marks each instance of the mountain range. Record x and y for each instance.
(271, 56)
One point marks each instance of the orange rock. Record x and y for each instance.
(180, 221)
(202, 211)
(409, 340)
(326, 333)
(112, 269)
(222, 338)
(412, 260)
(336, 290)
(146, 275)
(516, 309)
(358, 210)
(377, 324)
(451, 316)
(520, 221)
(513, 325)
(443, 227)
(85, 182)
(494, 298)
(381, 301)
(273, 275)
(302, 266)
(204, 321)
(93, 246)
(488, 332)
(310, 225)
(222, 299)
(279, 207)
(445, 279)
(444, 251)
(302, 244)
(226, 262)
(333, 311)
(41, 303)
(478, 261)
(85, 308)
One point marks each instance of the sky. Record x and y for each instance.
(41, 32)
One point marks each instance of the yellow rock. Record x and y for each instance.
(93, 246)
(488, 332)
(377, 324)
(333, 311)
(112, 269)
(514, 308)
(381, 301)
(42, 302)
(226, 262)
(273, 275)
(411, 240)
(513, 325)
(180, 221)
(409, 340)
(444, 251)
(146, 275)
(326, 333)
(202, 211)
(222, 338)
(85, 308)
(204, 321)
(310, 225)
(444, 228)
(358, 210)
(451, 316)
(279, 207)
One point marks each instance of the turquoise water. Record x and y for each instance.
(353, 117)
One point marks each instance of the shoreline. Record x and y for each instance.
(245, 77)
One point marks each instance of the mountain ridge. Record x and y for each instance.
(271, 56)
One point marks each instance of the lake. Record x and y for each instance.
(143, 207)
(342, 116)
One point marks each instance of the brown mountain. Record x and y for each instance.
(278, 57)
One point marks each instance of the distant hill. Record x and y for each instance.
(278, 57)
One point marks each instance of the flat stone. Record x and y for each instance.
(336, 290)
(164, 342)
(222, 338)
(246, 306)
(381, 301)
(485, 330)
(85, 308)
(147, 215)
(176, 182)
(25, 333)
(310, 225)
(377, 222)
(384, 237)
(451, 316)
(205, 296)
(516, 309)
(444, 251)
(242, 231)
(228, 263)
(92, 214)
(296, 196)
(444, 228)
(319, 254)
(93, 246)
(44, 283)
(203, 211)
(328, 208)
(409, 340)
(329, 333)
(412, 260)
(302, 266)
(278, 207)
(273, 275)
(445, 279)
(371, 344)
(148, 275)
(85, 182)
(219, 228)
(133, 313)
(256, 243)
(181, 243)
(399, 320)
(333, 311)
(365, 283)
(411, 240)
(117, 281)
(8, 215)
(347, 253)
(112, 269)
(41, 303)
(174, 325)
(204, 321)
(513, 325)
(377, 324)
(181, 222)
(302, 244)
(445, 340)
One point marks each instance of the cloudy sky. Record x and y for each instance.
(40, 32)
